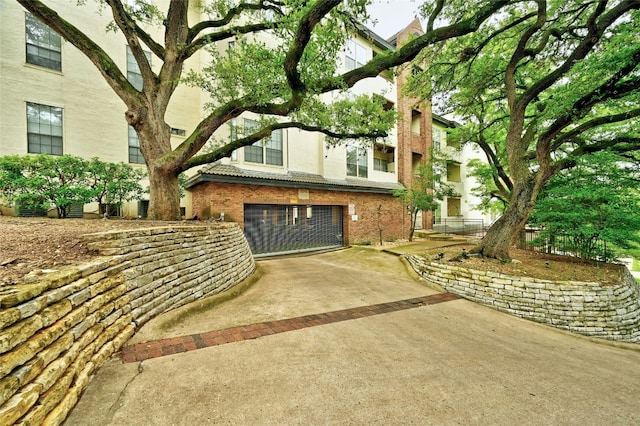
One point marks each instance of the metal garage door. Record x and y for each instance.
(279, 229)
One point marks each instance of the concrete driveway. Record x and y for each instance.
(425, 359)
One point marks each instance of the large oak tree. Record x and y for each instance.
(541, 84)
(283, 78)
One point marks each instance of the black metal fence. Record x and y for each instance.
(582, 247)
(459, 226)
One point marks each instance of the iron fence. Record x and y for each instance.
(459, 226)
(582, 247)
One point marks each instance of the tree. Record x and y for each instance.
(596, 201)
(427, 189)
(39, 180)
(114, 183)
(284, 82)
(542, 84)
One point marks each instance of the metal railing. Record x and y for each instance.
(459, 226)
(584, 248)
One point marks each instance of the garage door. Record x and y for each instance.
(280, 229)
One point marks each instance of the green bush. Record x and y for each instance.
(39, 181)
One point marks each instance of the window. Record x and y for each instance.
(356, 162)
(453, 142)
(355, 55)
(44, 129)
(135, 155)
(416, 122)
(453, 206)
(134, 76)
(453, 171)
(437, 138)
(43, 45)
(178, 132)
(273, 148)
(383, 157)
(267, 151)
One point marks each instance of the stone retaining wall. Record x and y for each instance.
(58, 328)
(588, 308)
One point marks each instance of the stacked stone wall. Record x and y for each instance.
(58, 328)
(588, 308)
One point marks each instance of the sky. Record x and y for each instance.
(392, 15)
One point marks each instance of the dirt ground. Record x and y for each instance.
(532, 264)
(33, 244)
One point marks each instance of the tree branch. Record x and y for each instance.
(609, 90)
(597, 24)
(301, 39)
(591, 124)
(520, 53)
(411, 49)
(233, 13)
(126, 25)
(265, 132)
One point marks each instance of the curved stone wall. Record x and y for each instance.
(588, 308)
(57, 329)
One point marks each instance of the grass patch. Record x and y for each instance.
(636, 265)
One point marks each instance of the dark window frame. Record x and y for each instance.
(43, 46)
(44, 136)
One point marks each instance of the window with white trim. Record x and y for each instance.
(44, 129)
(43, 45)
(265, 151)
(357, 162)
(356, 55)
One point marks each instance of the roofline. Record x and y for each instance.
(440, 119)
(203, 178)
(377, 40)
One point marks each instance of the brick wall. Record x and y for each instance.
(56, 332)
(211, 198)
(588, 308)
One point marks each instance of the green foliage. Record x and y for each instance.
(538, 86)
(486, 189)
(264, 83)
(427, 189)
(114, 183)
(37, 181)
(598, 200)
(278, 60)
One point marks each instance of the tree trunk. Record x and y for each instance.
(155, 144)
(164, 196)
(505, 231)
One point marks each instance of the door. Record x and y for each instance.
(273, 228)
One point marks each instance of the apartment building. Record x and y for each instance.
(460, 212)
(290, 192)
(54, 101)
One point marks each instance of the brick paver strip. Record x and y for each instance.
(173, 345)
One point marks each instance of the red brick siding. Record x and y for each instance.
(210, 199)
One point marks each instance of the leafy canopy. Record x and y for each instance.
(539, 85)
(598, 200)
(38, 181)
